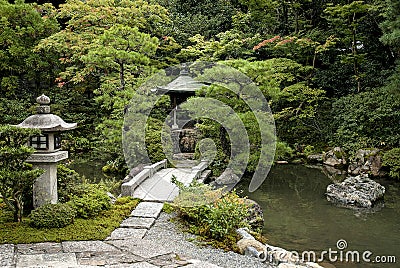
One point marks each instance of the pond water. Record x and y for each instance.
(92, 170)
(298, 216)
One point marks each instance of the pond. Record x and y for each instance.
(298, 216)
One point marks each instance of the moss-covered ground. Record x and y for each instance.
(97, 228)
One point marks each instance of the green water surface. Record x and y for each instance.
(298, 216)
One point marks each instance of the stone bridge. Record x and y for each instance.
(153, 183)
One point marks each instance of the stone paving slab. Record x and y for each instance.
(87, 246)
(143, 265)
(37, 248)
(147, 210)
(136, 222)
(56, 260)
(140, 247)
(123, 233)
(106, 258)
(6, 255)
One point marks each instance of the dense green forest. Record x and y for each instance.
(329, 69)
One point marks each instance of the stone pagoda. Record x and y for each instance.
(48, 150)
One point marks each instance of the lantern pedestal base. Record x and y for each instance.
(45, 187)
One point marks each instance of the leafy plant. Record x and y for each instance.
(16, 176)
(209, 214)
(52, 216)
(67, 181)
(391, 159)
(91, 200)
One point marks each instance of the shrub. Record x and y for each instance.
(92, 200)
(391, 159)
(67, 180)
(52, 216)
(283, 151)
(369, 120)
(210, 215)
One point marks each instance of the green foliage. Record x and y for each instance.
(168, 208)
(391, 159)
(283, 151)
(22, 26)
(366, 120)
(209, 214)
(97, 228)
(391, 25)
(52, 216)
(205, 17)
(89, 200)
(67, 181)
(16, 176)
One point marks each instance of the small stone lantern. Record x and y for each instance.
(48, 150)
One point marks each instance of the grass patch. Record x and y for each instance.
(97, 228)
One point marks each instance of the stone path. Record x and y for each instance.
(123, 248)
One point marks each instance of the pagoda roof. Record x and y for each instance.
(46, 122)
(184, 83)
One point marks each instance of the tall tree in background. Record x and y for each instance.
(391, 37)
(22, 26)
(346, 23)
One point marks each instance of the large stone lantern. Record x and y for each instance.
(179, 90)
(48, 150)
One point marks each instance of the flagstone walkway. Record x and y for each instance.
(125, 247)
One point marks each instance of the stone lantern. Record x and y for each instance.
(48, 150)
(179, 90)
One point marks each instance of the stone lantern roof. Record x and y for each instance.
(44, 120)
(184, 83)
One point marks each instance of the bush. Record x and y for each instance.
(67, 180)
(52, 216)
(92, 200)
(391, 159)
(283, 151)
(217, 219)
(366, 120)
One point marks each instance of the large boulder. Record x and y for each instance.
(355, 192)
(315, 158)
(256, 217)
(228, 178)
(335, 158)
(366, 161)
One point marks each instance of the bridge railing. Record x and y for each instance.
(128, 188)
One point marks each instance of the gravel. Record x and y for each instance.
(168, 234)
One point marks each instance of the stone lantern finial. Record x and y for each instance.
(44, 102)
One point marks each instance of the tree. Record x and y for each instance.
(87, 22)
(16, 176)
(22, 26)
(346, 20)
(122, 50)
(206, 17)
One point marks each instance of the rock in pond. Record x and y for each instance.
(228, 178)
(368, 161)
(357, 192)
(256, 216)
(335, 158)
